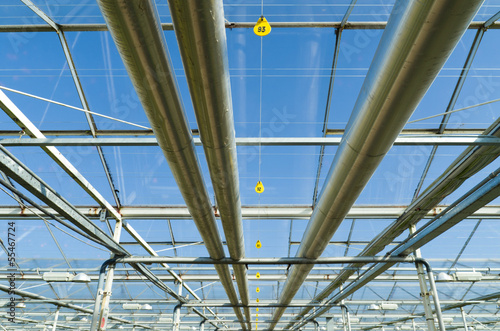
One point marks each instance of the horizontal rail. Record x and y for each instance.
(264, 261)
(409, 140)
(367, 25)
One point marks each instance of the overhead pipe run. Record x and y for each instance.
(136, 31)
(418, 38)
(468, 163)
(201, 34)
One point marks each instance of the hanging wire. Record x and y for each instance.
(73, 107)
(260, 109)
(260, 121)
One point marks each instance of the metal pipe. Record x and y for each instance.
(265, 261)
(472, 160)
(316, 325)
(201, 35)
(484, 192)
(435, 297)
(418, 38)
(344, 326)
(177, 317)
(269, 212)
(108, 285)
(135, 28)
(401, 140)
(98, 297)
(348, 319)
(424, 292)
(352, 25)
(462, 311)
(56, 317)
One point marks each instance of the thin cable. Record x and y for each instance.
(454, 111)
(73, 107)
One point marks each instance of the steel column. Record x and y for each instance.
(106, 296)
(56, 317)
(424, 293)
(464, 319)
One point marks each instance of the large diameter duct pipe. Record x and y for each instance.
(419, 37)
(201, 34)
(471, 161)
(135, 28)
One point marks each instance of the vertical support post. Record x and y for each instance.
(413, 324)
(56, 317)
(466, 328)
(330, 324)
(106, 295)
(98, 297)
(348, 319)
(177, 311)
(437, 305)
(344, 317)
(424, 293)
(177, 317)
(202, 325)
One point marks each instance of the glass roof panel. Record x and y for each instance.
(44, 75)
(15, 12)
(357, 48)
(296, 68)
(481, 86)
(284, 11)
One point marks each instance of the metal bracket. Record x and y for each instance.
(103, 215)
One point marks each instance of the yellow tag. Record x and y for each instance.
(256, 315)
(259, 188)
(257, 300)
(262, 28)
(257, 275)
(256, 319)
(257, 290)
(258, 244)
(256, 309)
